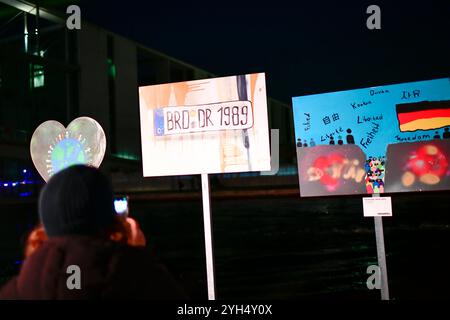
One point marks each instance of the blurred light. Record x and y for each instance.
(125, 155)
(5, 184)
(24, 171)
(14, 184)
(121, 206)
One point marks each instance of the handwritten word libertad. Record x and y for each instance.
(363, 119)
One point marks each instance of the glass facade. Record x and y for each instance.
(50, 72)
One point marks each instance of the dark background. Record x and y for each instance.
(305, 47)
(283, 247)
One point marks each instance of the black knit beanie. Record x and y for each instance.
(76, 200)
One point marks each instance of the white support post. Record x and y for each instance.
(206, 198)
(381, 254)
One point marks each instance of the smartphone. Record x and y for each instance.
(121, 205)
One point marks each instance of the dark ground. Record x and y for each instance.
(284, 248)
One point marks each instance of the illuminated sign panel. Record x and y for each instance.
(54, 147)
(214, 125)
(371, 119)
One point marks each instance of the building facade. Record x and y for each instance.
(50, 72)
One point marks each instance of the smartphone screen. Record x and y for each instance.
(121, 205)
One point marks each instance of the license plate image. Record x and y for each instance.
(231, 115)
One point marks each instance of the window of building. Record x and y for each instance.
(112, 72)
(37, 78)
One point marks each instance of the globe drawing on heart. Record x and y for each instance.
(54, 147)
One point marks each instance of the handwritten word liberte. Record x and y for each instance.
(327, 136)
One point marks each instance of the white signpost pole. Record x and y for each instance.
(206, 198)
(381, 254)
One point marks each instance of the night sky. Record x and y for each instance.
(304, 48)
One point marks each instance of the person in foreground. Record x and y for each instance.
(84, 250)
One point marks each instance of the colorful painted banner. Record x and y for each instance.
(371, 119)
(205, 126)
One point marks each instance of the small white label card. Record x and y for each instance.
(377, 207)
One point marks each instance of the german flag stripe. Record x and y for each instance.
(425, 124)
(422, 106)
(406, 117)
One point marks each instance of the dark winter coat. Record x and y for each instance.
(108, 270)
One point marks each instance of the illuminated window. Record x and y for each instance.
(37, 76)
(112, 72)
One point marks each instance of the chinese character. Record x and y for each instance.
(326, 120)
(335, 116)
(406, 95)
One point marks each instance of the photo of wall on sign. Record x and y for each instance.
(369, 140)
(213, 125)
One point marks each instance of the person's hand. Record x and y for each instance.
(136, 237)
(36, 238)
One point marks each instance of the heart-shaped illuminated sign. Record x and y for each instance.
(54, 147)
